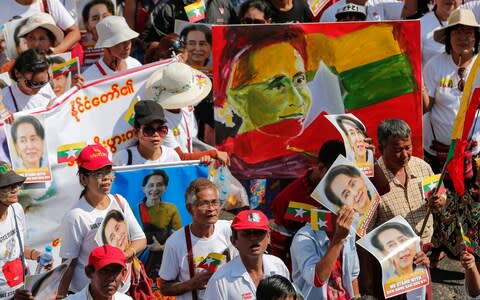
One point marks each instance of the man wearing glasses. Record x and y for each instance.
(151, 128)
(187, 247)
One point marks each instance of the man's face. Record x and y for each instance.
(106, 281)
(397, 152)
(275, 93)
(251, 242)
(206, 209)
(392, 240)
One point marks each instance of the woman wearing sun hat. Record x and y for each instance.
(41, 32)
(80, 224)
(115, 37)
(177, 88)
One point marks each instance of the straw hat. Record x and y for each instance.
(42, 20)
(177, 85)
(460, 16)
(112, 31)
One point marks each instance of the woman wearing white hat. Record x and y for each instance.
(41, 32)
(115, 37)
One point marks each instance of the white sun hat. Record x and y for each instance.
(177, 85)
(112, 31)
(45, 21)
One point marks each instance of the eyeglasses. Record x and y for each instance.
(102, 174)
(206, 204)
(11, 187)
(461, 82)
(252, 21)
(150, 131)
(36, 85)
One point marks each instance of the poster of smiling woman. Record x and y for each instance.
(345, 184)
(394, 244)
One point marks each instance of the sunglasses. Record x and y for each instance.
(11, 187)
(35, 84)
(252, 21)
(461, 82)
(149, 131)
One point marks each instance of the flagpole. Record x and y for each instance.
(439, 183)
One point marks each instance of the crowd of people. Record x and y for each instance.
(261, 257)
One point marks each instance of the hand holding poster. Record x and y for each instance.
(345, 184)
(395, 245)
(358, 146)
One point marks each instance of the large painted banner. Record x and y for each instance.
(100, 112)
(272, 84)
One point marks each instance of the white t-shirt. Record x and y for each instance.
(474, 6)
(441, 79)
(175, 262)
(95, 72)
(232, 281)
(15, 100)
(182, 129)
(82, 295)
(78, 230)
(10, 250)
(377, 10)
(11, 8)
(429, 23)
(121, 158)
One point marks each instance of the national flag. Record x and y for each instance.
(431, 182)
(466, 240)
(129, 116)
(69, 152)
(65, 68)
(212, 261)
(461, 129)
(321, 219)
(298, 211)
(195, 11)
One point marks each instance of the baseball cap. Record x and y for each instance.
(148, 111)
(8, 176)
(105, 255)
(93, 157)
(351, 8)
(250, 219)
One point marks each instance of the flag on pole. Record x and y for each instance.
(298, 211)
(430, 183)
(321, 220)
(461, 129)
(467, 243)
(195, 11)
(212, 261)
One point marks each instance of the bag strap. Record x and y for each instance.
(188, 239)
(22, 254)
(13, 98)
(119, 202)
(129, 157)
(44, 7)
(433, 131)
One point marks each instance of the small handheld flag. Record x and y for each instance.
(321, 220)
(298, 211)
(195, 11)
(466, 240)
(212, 261)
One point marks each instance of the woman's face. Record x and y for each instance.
(462, 39)
(38, 39)
(29, 145)
(154, 188)
(59, 84)
(30, 84)
(122, 50)
(9, 194)
(254, 16)
(447, 6)
(356, 138)
(352, 191)
(275, 93)
(97, 13)
(391, 239)
(198, 48)
(151, 136)
(116, 233)
(100, 181)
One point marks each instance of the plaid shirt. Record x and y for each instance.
(408, 201)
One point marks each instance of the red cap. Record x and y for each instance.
(105, 255)
(93, 157)
(250, 219)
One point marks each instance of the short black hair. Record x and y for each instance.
(39, 130)
(329, 152)
(275, 287)
(32, 60)
(391, 225)
(332, 174)
(448, 44)
(156, 172)
(89, 5)
(261, 5)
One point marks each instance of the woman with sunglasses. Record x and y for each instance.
(255, 12)
(444, 76)
(151, 128)
(81, 223)
(32, 88)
